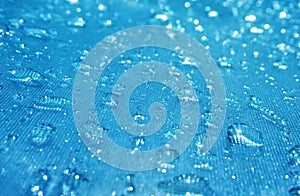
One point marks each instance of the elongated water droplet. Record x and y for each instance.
(51, 103)
(25, 76)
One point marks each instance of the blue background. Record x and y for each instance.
(41, 152)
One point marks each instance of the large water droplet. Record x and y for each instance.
(241, 134)
(243, 139)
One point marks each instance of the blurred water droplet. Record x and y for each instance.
(280, 65)
(186, 184)
(294, 155)
(293, 176)
(77, 22)
(250, 18)
(295, 191)
(213, 14)
(165, 155)
(256, 30)
(8, 142)
(162, 17)
(40, 33)
(41, 134)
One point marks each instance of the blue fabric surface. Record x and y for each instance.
(259, 58)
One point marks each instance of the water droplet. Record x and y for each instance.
(26, 76)
(241, 134)
(40, 33)
(250, 18)
(29, 111)
(243, 140)
(51, 103)
(162, 17)
(294, 156)
(186, 184)
(18, 97)
(41, 134)
(101, 7)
